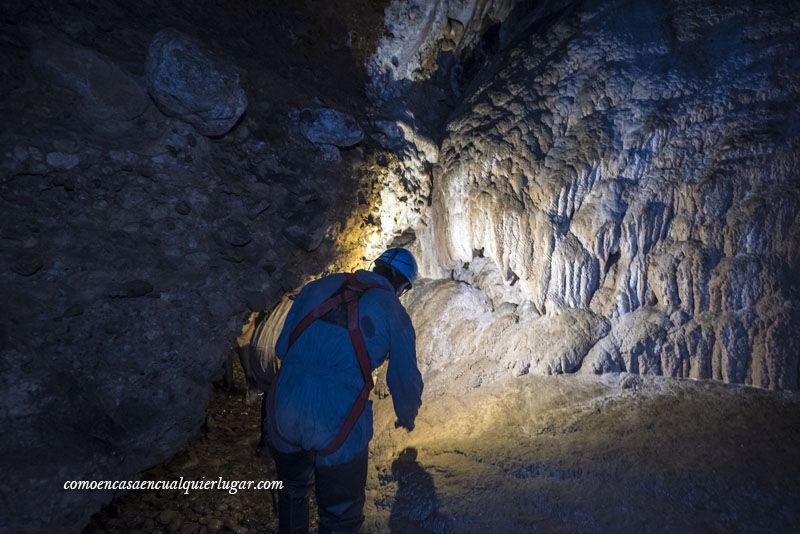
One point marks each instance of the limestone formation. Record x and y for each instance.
(634, 163)
(459, 328)
(417, 30)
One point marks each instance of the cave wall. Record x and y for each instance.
(625, 173)
(594, 186)
(639, 162)
(159, 180)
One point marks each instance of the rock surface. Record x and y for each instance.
(132, 247)
(457, 325)
(557, 453)
(635, 164)
(416, 31)
(551, 452)
(105, 90)
(188, 82)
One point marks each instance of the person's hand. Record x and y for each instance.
(379, 380)
(407, 425)
(381, 389)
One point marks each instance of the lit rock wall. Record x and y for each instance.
(415, 79)
(416, 31)
(632, 166)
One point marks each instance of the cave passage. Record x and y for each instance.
(601, 197)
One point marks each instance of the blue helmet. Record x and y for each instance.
(401, 260)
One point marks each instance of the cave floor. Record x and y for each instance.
(617, 453)
(573, 453)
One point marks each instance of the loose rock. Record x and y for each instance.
(73, 311)
(236, 233)
(306, 235)
(327, 126)
(183, 207)
(329, 152)
(257, 209)
(168, 516)
(27, 264)
(62, 161)
(137, 288)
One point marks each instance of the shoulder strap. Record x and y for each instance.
(351, 284)
(353, 291)
(315, 314)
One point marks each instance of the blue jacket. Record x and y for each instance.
(320, 377)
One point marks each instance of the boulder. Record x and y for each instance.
(326, 126)
(187, 81)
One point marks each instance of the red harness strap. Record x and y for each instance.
(349, 293)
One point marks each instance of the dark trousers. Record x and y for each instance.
(339, 491)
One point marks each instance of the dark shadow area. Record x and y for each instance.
(416, 507)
